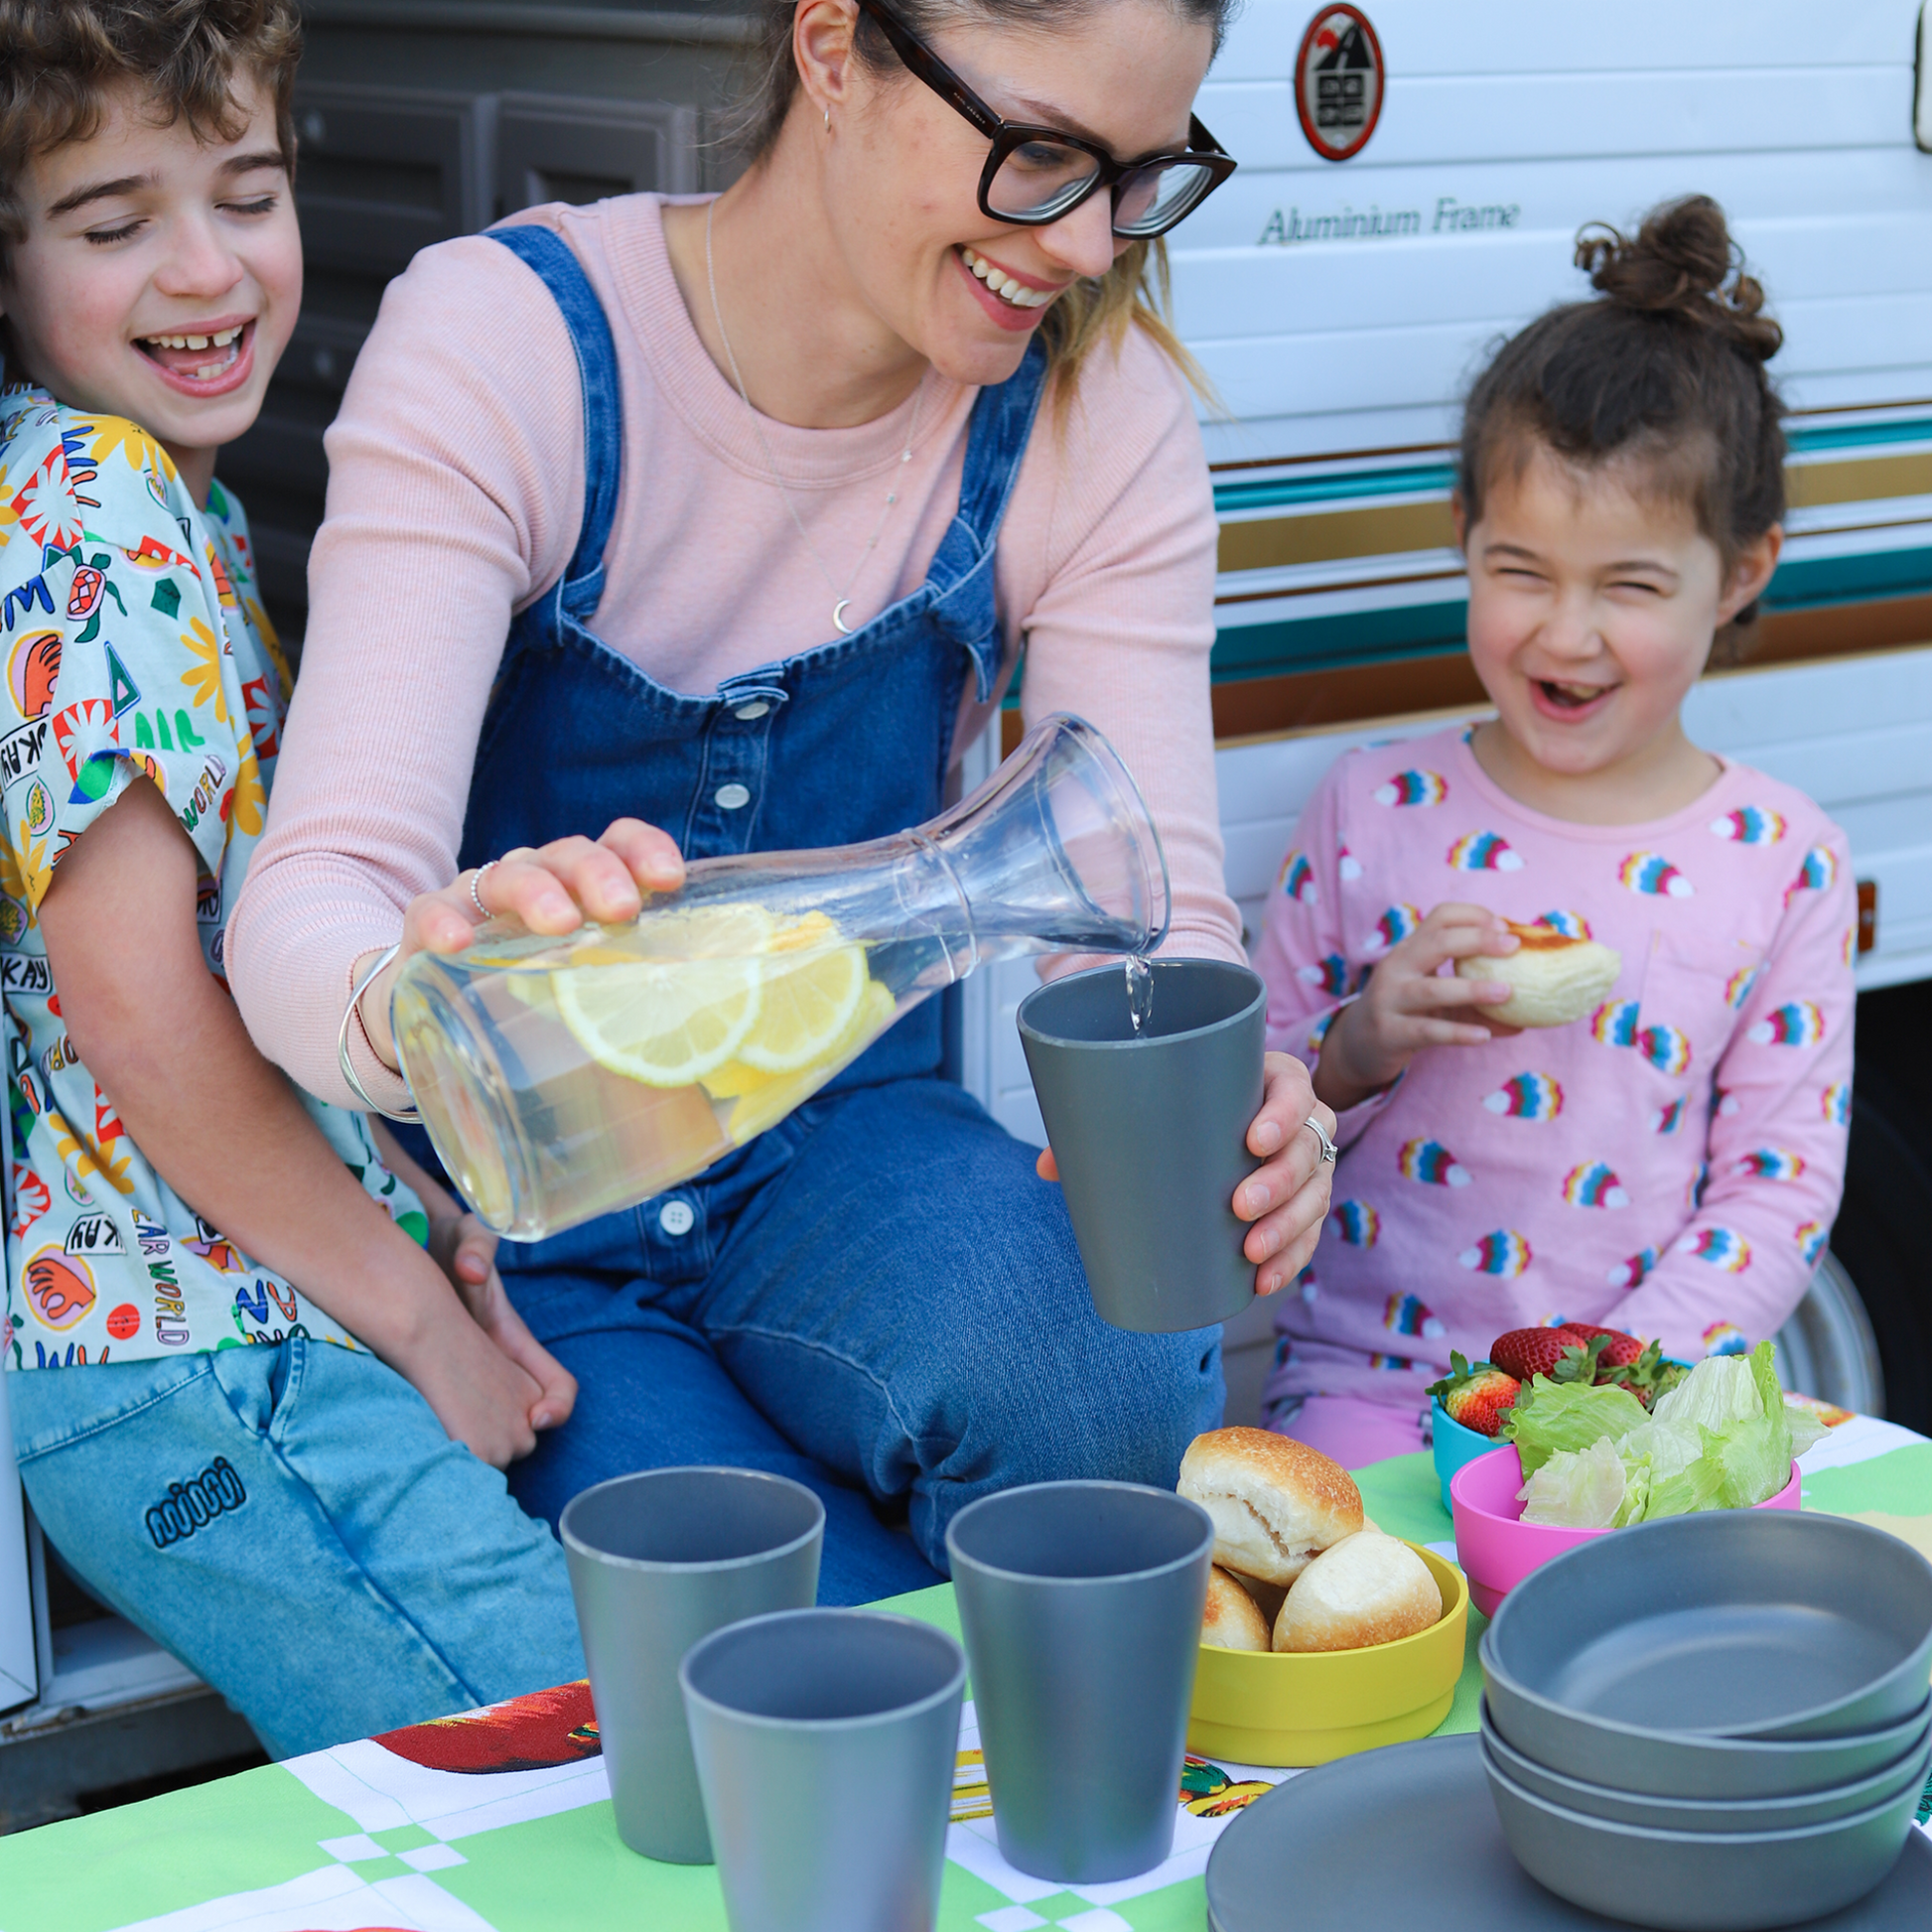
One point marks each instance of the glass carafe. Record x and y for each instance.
(564, 1078)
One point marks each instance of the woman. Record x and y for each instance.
(898, 389)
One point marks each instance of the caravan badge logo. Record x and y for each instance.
(1340, 77)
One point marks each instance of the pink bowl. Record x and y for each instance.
(1495, 1549)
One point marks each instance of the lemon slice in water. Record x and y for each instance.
(666, 1023)
(809, 1000)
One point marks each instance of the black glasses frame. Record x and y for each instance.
(1202, 150)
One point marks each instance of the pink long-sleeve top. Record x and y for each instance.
(1669, 1166)
(455, 491)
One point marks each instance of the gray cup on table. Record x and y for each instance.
(658, 1561)
(1150, 1134)
(825, 1742)
(1082, 1605)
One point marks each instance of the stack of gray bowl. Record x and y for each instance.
(1716, 1723)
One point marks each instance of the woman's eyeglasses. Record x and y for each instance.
(1037, 175)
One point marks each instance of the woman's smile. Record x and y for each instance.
(1008, 300)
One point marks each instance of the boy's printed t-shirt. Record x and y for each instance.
(1670, 1164)
(133, 646)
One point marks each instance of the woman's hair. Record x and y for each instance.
(59, 60)
(1664, 370)
(1100, 310)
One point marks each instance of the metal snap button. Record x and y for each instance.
(675, 1217)
(746, 712)
(731, 797)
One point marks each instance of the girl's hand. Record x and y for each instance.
(466, 1251)
(1410, 1004)
(1286, 1196)
(482, 1398)
(551, 888)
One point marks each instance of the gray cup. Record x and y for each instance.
(1082, 1605)
(658, 1561)
(1150, 1132)
(826, 1741)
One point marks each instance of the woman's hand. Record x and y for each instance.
(1287, 1195)
(466, 1251)
(1410, 1004)
(551, 888)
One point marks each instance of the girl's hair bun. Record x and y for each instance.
(1682, 262)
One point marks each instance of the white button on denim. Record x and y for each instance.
(675, 1218)
(746, 712)
(731, 797)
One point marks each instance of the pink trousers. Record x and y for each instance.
(1353, 1431)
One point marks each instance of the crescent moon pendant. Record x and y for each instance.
(838, 617)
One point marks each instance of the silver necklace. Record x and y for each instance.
(840, 600)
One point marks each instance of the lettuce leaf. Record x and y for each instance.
(1549, 1416)
(1579, 1489)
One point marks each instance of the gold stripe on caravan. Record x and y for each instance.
(1332, 536)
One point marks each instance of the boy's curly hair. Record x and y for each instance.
(60, 58)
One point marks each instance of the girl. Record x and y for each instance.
(1670, 1163)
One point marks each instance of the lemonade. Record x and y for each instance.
(634, 1058)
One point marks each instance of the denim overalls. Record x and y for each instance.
(879, 1294)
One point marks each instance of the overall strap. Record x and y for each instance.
(581, 586)
(996, 444)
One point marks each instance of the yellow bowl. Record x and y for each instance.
(1310, 1707)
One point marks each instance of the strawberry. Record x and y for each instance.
(1619, 1349)
(1649, 1375)
(1477, 1396)
(1556, 1352)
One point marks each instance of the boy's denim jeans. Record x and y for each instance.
(293, 1524)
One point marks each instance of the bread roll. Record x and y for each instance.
(1367, 1589)
(1276, 1502)
(1233, 1618)
(1553, 980)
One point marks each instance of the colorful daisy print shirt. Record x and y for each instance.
(1669, 1164)
(134, 647)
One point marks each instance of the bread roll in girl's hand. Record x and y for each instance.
(1233, 1618)
(1553, 978)
(1277, 1504)
(1366, 1589)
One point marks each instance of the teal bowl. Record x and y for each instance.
(1454, 1446)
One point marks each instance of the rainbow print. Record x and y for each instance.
(1728, 1104)
(1594, 1186)
(1750, 825)
(1771, 1164)
(1835, 1103)
(1799, 1024)
(1654, 876)
(1722, 1248)
(1401, 1365)
(1503, 1253)
(1573, 925)
(1615, 1024)
(1484, 852)
(1298, 879)
(1357, 1223)
(1726, 1338)
(1667, 1120)
(1527, 1096)
(1330, 974)
(1848, 947)
(1319, 1032)
(1411, 789)
(1307, 1287)
(1406, 1315)
(1431, 1163)
(1811, 1237)
(1394, 926)
(1665, 1048)
(1738, 988)
(1347, 866)
(1694, 1190)
(1630, 1274)
(1819, 870)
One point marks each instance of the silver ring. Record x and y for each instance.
(476, 879)
(1329, 1151)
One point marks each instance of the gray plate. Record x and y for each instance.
(1731, 1623)
(1658, 1765)
(1703, 1881)
(1408, 1836)
(1704, 1814)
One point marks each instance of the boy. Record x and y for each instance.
(215, 1309)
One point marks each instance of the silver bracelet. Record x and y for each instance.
(350, 1078)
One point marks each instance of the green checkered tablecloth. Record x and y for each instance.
(385, 1836)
